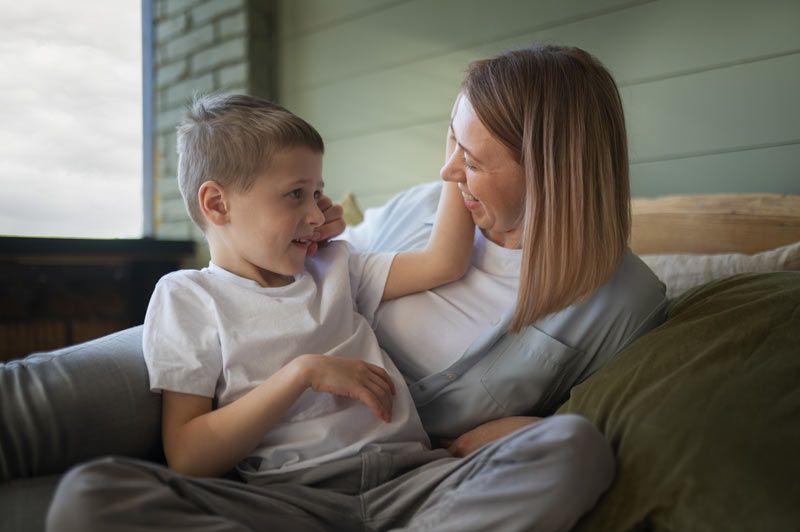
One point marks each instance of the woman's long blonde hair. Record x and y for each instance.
(558, 110)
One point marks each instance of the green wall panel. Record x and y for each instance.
(709, 86)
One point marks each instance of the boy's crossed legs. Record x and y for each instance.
(541, 477)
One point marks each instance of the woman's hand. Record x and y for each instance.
(334, 224)
(351, 378)
(483, 434)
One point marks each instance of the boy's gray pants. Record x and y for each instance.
(541, 477)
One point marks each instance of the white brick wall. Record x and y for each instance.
(200, 45)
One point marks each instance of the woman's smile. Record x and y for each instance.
(470, 201)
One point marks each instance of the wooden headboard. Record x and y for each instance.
(719, 223)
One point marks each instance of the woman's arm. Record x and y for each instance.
(203, 442)
(446, 257)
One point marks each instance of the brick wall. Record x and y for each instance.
(201, 45)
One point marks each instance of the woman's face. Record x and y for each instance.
(491, 181)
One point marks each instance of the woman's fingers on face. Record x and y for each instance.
(333, 212)
(334, 224)
(330, 230)
(324, 202)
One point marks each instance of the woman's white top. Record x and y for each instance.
(463, 310)
(503, 374)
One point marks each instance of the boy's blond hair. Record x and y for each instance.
(231, 139)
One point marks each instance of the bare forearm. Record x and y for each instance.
(446, 257)
(213, 443)
(486, 433)
(450, 245)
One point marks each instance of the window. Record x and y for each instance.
(71, 133)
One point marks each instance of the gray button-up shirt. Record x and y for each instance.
(528, 373)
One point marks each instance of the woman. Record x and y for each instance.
(537, 145)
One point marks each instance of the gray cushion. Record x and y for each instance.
(24, 503)
(77, 403)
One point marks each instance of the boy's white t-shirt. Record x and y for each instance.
(464, 310)
(215, 334)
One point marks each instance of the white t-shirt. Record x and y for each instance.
(464, 311)
(215, 334)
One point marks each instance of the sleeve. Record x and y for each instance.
(180, 340)
(368, 274)
(394, 225)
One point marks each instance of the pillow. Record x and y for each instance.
(703, 413)
(681, 272)
(351, 212)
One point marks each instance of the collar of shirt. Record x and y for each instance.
(244, 282)
(495, 259)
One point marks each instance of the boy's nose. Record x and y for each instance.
(315, 216)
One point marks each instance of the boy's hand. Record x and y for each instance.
(334, 224)
(351, 378)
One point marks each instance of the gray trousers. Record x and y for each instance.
(541, 477)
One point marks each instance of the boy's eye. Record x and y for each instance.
(296, 193)
(317, 195)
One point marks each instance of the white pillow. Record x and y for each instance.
(680, 272)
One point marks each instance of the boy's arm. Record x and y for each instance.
(203, 442)
(446, 257)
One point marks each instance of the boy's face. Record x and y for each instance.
(271, 224)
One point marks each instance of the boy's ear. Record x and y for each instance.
(213, 203)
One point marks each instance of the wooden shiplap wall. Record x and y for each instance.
(711, 87)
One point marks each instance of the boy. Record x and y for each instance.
(274, 338)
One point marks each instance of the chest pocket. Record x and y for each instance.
(526, 377)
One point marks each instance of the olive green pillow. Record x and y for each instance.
(704, 413)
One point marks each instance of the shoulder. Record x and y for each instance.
(331, 261)
(633, 293)
(634, 287)
(403, 222)
(424, 197)
(188, 286)
(631, 302)
(182, 278)
(340, 253)
(331, 252)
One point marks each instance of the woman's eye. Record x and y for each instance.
(467, 165)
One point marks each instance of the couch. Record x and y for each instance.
(703, 413)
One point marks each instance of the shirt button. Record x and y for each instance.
(451, 376)
(422, 387)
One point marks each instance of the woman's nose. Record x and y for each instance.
(453, 169)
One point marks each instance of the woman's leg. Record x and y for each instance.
(124, 494)
(542, 477)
